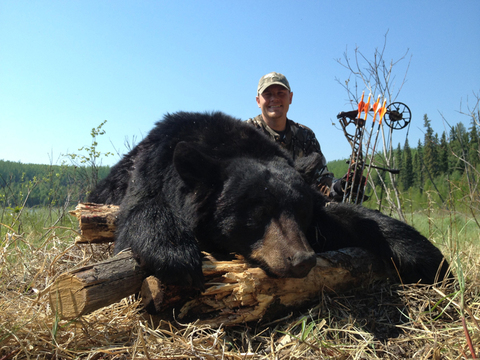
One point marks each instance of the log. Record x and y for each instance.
(235, 293)
(96, 221)
(249, 294)
(81, 291)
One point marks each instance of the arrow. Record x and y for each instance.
(383, 110)
(361, 105)
(375, 108)
(367, 107)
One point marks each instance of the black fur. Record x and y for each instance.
(209, 182)
(399, 245)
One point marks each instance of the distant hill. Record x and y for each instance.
(338, 167)
(41, 185)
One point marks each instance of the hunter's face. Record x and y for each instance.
(274, 102)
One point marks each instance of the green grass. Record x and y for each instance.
(446, 228)
(36, 223)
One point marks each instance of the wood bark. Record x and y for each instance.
(248, 294)
(81, 291)
(235, 293)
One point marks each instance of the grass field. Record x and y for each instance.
(383, 321)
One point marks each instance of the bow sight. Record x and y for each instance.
(397, 116)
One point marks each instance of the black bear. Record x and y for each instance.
(209, 182)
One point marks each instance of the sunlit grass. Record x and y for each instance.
(383, 321)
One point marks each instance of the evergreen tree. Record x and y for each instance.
(474, 143)
(443, 155)
(458, 137)
(407, 168)
(430, 154)
(398, 158)
(454, 146)
(398, 162)
(418, 178)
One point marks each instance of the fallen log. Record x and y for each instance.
(235, 293)
(96, 222)
(248, 295)
(86, 289)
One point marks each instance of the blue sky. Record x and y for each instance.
(66, 66)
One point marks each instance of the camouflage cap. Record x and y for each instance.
(272, 78)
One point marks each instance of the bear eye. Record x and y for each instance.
(254, 216)
(257, 214)
(260, 213)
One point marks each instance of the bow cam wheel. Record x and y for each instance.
(398, 115)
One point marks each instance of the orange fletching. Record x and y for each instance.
(367, 107)
(361, 105)
(382, 111)
(375, 108)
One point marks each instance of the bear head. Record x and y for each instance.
(260, 209)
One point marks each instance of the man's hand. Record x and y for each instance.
(350, 184)
(325, 185)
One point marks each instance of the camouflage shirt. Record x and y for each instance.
(297, 139)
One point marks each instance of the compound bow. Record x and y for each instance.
(396, 115)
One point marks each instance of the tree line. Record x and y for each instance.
(433, 169)
(33, 185)
(30, 185)
(452, 155)
(443, 168)
(440, 170)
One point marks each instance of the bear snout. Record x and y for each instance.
(302, 263)
(282, 262)
(284, 250)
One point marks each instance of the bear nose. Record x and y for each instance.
(302, 263)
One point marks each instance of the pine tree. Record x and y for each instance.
(430, 155)
(458, 137)
(474, 143)
(398, 162)
(454, 146)
(443, 155)
(418, 178)
(407, 168)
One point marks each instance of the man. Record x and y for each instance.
(274, 97)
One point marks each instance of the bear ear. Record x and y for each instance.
(193, 166)
(309, 166)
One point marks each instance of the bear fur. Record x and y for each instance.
(209, 182)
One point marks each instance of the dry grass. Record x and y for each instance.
(384, 321)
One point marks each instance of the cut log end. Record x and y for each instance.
(97, 222)
(81, 291)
